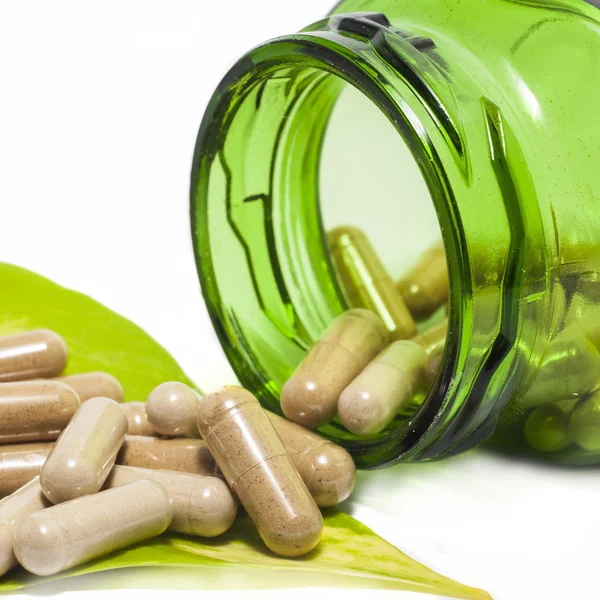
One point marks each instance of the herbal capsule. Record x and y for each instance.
(70, 534)
(259, 470)
(352, 340)
(433, 339)
(425, 286)
(367, 283)
(21, 463)
(31, 355)
(432, 367)
(85, 452)
(179, 454)
(570, 368)
(13, 509)
(138, 419)
(585, 423)
(172, 408)
(94, 385)
(35, 411)
(327, 470)
(385, 387)
(547, 429)
(202, 506)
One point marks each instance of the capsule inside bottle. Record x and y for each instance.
(171, 408)
(75, 532)
(202, 505)
(366, 281)
(259, 470)
(384, 388)
(20, 464)
(352, 340)
(94, 385)
(327, 469)
(35, 411)
(85, 452)
(179, 454)
(31, 355)
(584, 425)
(425, 286)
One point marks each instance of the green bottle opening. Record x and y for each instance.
(414, 121)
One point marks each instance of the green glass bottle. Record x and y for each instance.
(497, 106)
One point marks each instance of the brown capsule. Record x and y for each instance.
(20, 463)
(31, 355)
(326, 468)
(171, 408)
(138, 419)
(311, 394)
(425, 286)
(26, 500)
(179, 454)
(433, 339)
(259, 470)
(202, 505)
(384, 388)
(85, 452)
(35, 411)
(366, 281)
(70, 534)
(94, 385)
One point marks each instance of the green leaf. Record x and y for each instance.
(348, 548)
(99, 339)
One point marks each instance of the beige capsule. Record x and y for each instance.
(179, 454)
(138, 419)
(85, 452)
(326, 468)
(385, 387)
(75, 532)
(35, 411)
(202, 505)
(30, 355)
(425, 286)
(20, 463)
(259, 470)
(366, 281)
(171, 408)
(13, 509)
(433, 339)
(94, 385)
(311, 394)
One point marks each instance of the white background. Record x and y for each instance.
(99, 108)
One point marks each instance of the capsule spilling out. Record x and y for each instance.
(138, 419)
(69, 534)
(31, 355)
(385, 387)
(425, 286)
(94, 385)
(85, 452)
(172, 408)
(311, 394)
(13, 509)
(202, 505)
(179, 454)
(327, 469)
(547, 429)
(259, 470)
(35, 411)
(366, 281)
(20, 464)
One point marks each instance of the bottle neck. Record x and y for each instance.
(262, 253)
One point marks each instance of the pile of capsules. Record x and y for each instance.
(83, 473)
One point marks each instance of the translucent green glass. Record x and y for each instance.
(498, 103)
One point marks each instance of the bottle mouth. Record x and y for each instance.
(258, 222)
